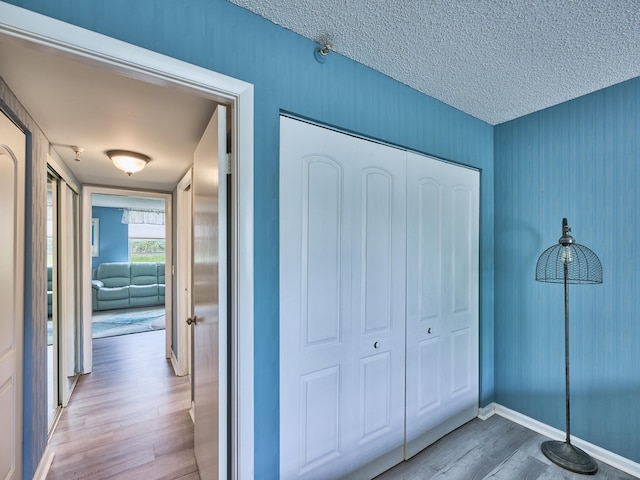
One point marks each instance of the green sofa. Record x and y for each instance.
(117, 285)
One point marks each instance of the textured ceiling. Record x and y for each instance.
(494, 59)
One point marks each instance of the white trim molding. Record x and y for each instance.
(44, 465)
(60, 38)
(85, 221)
(486, 412)
(599, 453)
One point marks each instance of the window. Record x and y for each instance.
(146, 243)
(146, 249)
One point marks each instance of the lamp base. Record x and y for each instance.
(569, 457)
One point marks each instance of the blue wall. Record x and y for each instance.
(577, 160)
(114, 236)
(225, 38)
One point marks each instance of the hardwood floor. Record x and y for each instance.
(495, 449)
(129, 418)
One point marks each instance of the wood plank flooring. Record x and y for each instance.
(495, 449)
(128, 419)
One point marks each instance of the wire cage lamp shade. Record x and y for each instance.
(583, 265)
(568, 262)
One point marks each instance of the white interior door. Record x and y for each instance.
(442, 299)
(210, 299)
(12, 166)
(342, 304)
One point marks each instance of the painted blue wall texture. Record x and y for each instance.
(225, 38)
(114, 236)
(577, 160)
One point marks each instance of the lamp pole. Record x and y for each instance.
(579, 265)
(566, 351)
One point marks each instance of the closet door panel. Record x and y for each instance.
(315, 327)
(428, 375)
(426, 346)
(462, 248)
(320, 430)
(442, 299)
(342, 271)
(427, 246)
(378, 305)
(461, 372)
(375, 395)
(377, 251)
(321, 219)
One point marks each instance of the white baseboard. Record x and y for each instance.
(44, 465)
(599, 453)
(486, 412)
(175, 364)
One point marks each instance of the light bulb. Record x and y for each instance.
(566, 256)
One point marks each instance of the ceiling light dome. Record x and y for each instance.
(128, 162)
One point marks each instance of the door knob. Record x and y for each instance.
(376, 345)
(192, 320)
(429, 330)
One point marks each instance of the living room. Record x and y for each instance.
(128, 265)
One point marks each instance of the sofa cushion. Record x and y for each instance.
(114, 293)
(143, 291)
(114, 304)
(115, 274)
(161, 273)
(144, 273)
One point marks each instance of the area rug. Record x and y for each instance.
(111, 323)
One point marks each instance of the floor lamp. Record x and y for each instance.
(568, 262)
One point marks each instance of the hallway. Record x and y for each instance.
(129, 418)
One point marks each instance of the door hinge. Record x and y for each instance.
(228, 165)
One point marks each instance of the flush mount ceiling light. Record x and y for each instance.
(128, 162)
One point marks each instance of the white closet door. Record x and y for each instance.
(12, 172)
(342, 304)
(442, 299)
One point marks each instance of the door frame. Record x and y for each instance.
(85, 275)
(183, 277)
(68, 179)
(60, 38)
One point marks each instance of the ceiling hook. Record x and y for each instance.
(78, 151)
(321, 52)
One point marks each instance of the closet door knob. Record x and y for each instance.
(376, 345)
(429, 330)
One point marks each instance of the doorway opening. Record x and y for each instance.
(128, 264)
(60, 39)
(126, 293)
